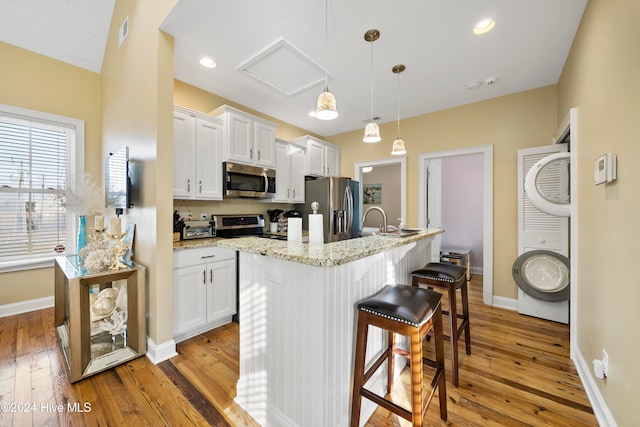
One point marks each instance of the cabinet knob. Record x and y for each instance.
(188, 185)
(251, 153)
(200, 185)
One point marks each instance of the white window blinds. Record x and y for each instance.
(33, 168)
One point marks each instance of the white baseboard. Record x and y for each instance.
(476, 270)
(508, 303)
(600, 408)
(25, 306)
(160, 352)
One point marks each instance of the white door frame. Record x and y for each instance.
(487, 227)
(402, 161)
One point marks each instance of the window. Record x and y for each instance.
(41, 157)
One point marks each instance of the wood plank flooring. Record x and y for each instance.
(519, 374)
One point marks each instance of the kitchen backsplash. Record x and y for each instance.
(228, 207)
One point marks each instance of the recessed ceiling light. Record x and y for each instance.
(484, 26)
(207, 62)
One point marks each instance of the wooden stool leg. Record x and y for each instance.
(390, 362)
(416, 378)
(453, 334)
(465, 312)
(358, 375)
(439, 344)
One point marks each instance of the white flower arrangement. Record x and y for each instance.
(88, 201)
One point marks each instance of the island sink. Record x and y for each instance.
(401, 233)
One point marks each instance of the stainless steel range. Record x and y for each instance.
(239, 225)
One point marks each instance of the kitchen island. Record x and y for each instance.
(297, 322)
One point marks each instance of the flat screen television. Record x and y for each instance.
(117, 192)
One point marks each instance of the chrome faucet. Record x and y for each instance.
(383, 227)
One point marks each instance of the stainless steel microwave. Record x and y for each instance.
(248, 181)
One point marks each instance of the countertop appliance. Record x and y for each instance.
(239, 225)
(254, 182)
(339, 200)
(198, 230)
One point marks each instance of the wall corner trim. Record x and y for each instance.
(157, 353)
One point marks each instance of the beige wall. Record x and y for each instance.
(137, 94)
(601, 80)
(33, 81)
(526, 119)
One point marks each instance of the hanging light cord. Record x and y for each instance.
(326, 45)
(398, 105)
(371, 81)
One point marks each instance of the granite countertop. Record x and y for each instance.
(326, 255)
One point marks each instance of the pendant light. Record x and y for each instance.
(398, 144)
(371, 131)
(326, 104)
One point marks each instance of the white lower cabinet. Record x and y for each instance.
(204, 290)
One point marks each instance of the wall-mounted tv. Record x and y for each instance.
(117, 193)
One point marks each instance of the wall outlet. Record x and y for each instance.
(605, 363)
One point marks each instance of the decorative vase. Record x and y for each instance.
(82, 232)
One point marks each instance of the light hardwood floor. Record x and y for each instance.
(519, 374)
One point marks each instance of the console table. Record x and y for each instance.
(88, 352)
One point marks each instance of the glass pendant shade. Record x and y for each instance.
(371, 133)
(326, 106)
(398, 147)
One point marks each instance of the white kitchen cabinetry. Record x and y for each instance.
(322, 158)
(197, 164)
(204, 290)
(248, 139)
(290, 159)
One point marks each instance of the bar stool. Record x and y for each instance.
(450, 277)
(413, 312)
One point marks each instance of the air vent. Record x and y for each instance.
(124, 30)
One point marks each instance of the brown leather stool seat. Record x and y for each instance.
(450, 277)
(413, 312)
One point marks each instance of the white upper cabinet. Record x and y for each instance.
(247, 139)
(290, 160)
(322, 158)
(197, 163)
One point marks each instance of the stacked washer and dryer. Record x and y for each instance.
(542, 270)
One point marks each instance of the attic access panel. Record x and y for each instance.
(284, 67)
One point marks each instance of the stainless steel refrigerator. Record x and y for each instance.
(339, 200)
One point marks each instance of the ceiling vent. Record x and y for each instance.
(284, 67)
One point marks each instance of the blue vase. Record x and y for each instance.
(82, 232)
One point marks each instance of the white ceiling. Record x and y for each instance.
(72, 31)
(432, 38)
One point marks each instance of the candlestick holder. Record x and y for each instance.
(119, 247)
(96, 234)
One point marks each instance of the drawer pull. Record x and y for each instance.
(207, 256)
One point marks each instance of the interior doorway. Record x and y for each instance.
(398, 164)
(432, 187)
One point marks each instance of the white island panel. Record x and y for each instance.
(297, 332)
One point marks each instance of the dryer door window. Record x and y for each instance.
(547, 184)
(543, 275)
